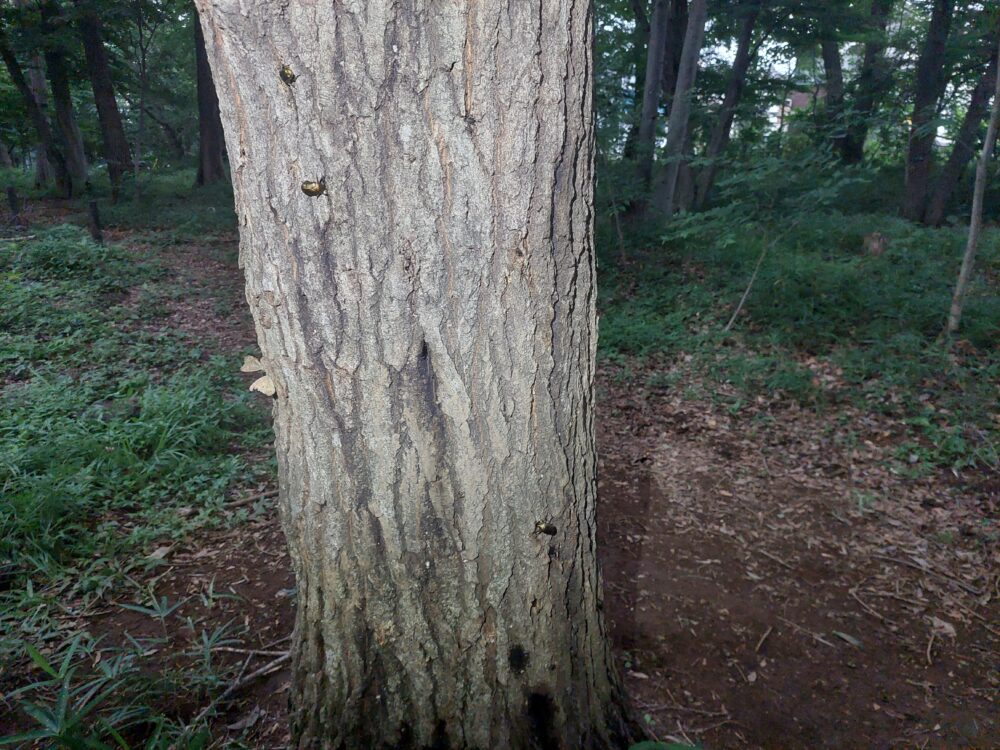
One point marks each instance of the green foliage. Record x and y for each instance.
(818, 300)
(107, 428)
(171, 203)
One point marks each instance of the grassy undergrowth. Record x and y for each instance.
(824, 322)
(117, 433)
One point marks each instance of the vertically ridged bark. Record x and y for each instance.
(428, 323)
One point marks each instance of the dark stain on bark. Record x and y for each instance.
(518, 659)
(541, 711)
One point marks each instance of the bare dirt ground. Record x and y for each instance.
(769, 583)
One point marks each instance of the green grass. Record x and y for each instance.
(108, 425)
(818, 299)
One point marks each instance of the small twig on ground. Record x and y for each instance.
(18, 239)
(763, 638)
(933, 571)
(250, 499)
(873, 612)
(777, 559)
(930, 646)
(250, 651)
(242, 682)
(746, 293)
(815, 636)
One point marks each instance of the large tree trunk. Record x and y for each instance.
(931, 83)
(872, 82)
(62, 97)
(976, 219)
(746, 51)
(965, 145)
(646, 138)
(680, 108)
(116, 150)
(426, 316)
(210, 140)
(37, 115)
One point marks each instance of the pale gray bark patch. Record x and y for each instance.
(429, 326)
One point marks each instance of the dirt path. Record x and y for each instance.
(769, 583)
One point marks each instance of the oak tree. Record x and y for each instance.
(414, 188)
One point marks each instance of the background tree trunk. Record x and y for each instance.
(428, 323)
(873, 80)
(210, 137)
(680, 108)
(833, 67)
(746, 51)
(45, 172)
(976, 219)
(640, 51)
(931, 83)
(965, 145)
(116, 150)
(646, 139)
(37, 115)
(62, 97)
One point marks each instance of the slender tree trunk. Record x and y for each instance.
(210, 141)
(965, 145)
(676, 30)
(746, 51)
(976, 220)
(5, 160)
(426, 316)
(646, 139)
(44, 170)
(640, 51)
(931, 83)
(62, 97)
(872, 82)
(680, 110)
(37, 116)
(833, 67)
(116, 150)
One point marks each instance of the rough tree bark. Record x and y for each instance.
(56, 67)
(746, 51)
(930, 86)
(871, 84)
(426, 317)
(680, 109)
(210, 137)
(116, 150)
(965, 145)
(976, 219)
